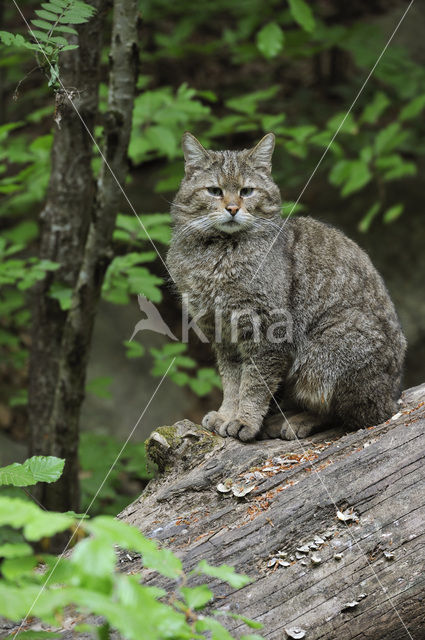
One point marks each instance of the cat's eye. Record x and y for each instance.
(246, 191)
(215, 191)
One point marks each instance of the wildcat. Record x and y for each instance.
(231, 250)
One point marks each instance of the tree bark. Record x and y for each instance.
(64, 223)
(81, 243)
(363, 576)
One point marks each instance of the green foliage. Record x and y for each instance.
(125, 276)
(33, 470)
(17, 275)
(62, 294)
(302, 14)
(270, 40)
(89, 581)
(159, 117)
(110, 473)
(224, 572)
(133, 232)
(174, 354)
(100, 386)
(52, 22)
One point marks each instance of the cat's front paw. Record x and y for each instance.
(212, 421)
(238, 429)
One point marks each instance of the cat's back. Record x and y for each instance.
(330, 269)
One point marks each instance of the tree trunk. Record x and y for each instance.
(79, 219)
(332, 534)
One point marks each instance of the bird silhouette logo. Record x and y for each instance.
(153, 321)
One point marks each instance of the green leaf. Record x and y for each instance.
(196, 597)
(270, 40)
(302, 14)
(15, 550)
(37, 523)
(200, 387)
(343, 120)
(248, 104)
(65, 29)
(33, 470)
(164, 562)
(62, 294)
(359, 177)
(413, 108)
(12, 39)
(253, 624)
(100, 387)
(224, 572)
(94, 556)
(375, 108)
(366, 221)
(46, 524)
(291, 208)
(63, 4)
(389, 138)
(354, 173)
(46, 15)
(77, 13)
(60, 41)
(393, 213)
(134, 349)
(218, 632)
(49, 6)
(69, 47)
(19, 399)
(45, 468)
(393, 167)
(42, 24)
(13, 568)
(117, 532)
(161, 560)
(16, 475)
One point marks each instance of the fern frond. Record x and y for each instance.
(52, 20)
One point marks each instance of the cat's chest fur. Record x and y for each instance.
(216, 273)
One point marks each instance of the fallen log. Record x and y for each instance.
(330, 528)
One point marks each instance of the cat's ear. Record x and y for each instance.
(261, 154)
(194, 153)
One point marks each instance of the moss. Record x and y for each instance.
(163, 456)
(171, 436)
(206, 443)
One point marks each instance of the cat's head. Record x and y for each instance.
(226, 191)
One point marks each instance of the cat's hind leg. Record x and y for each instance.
(301, 425)
(347, 372)
(365, 400)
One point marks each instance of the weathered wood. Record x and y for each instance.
(377, 473)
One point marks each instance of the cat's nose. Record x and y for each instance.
(232, 209)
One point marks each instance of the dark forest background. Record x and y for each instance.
(228, 72)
